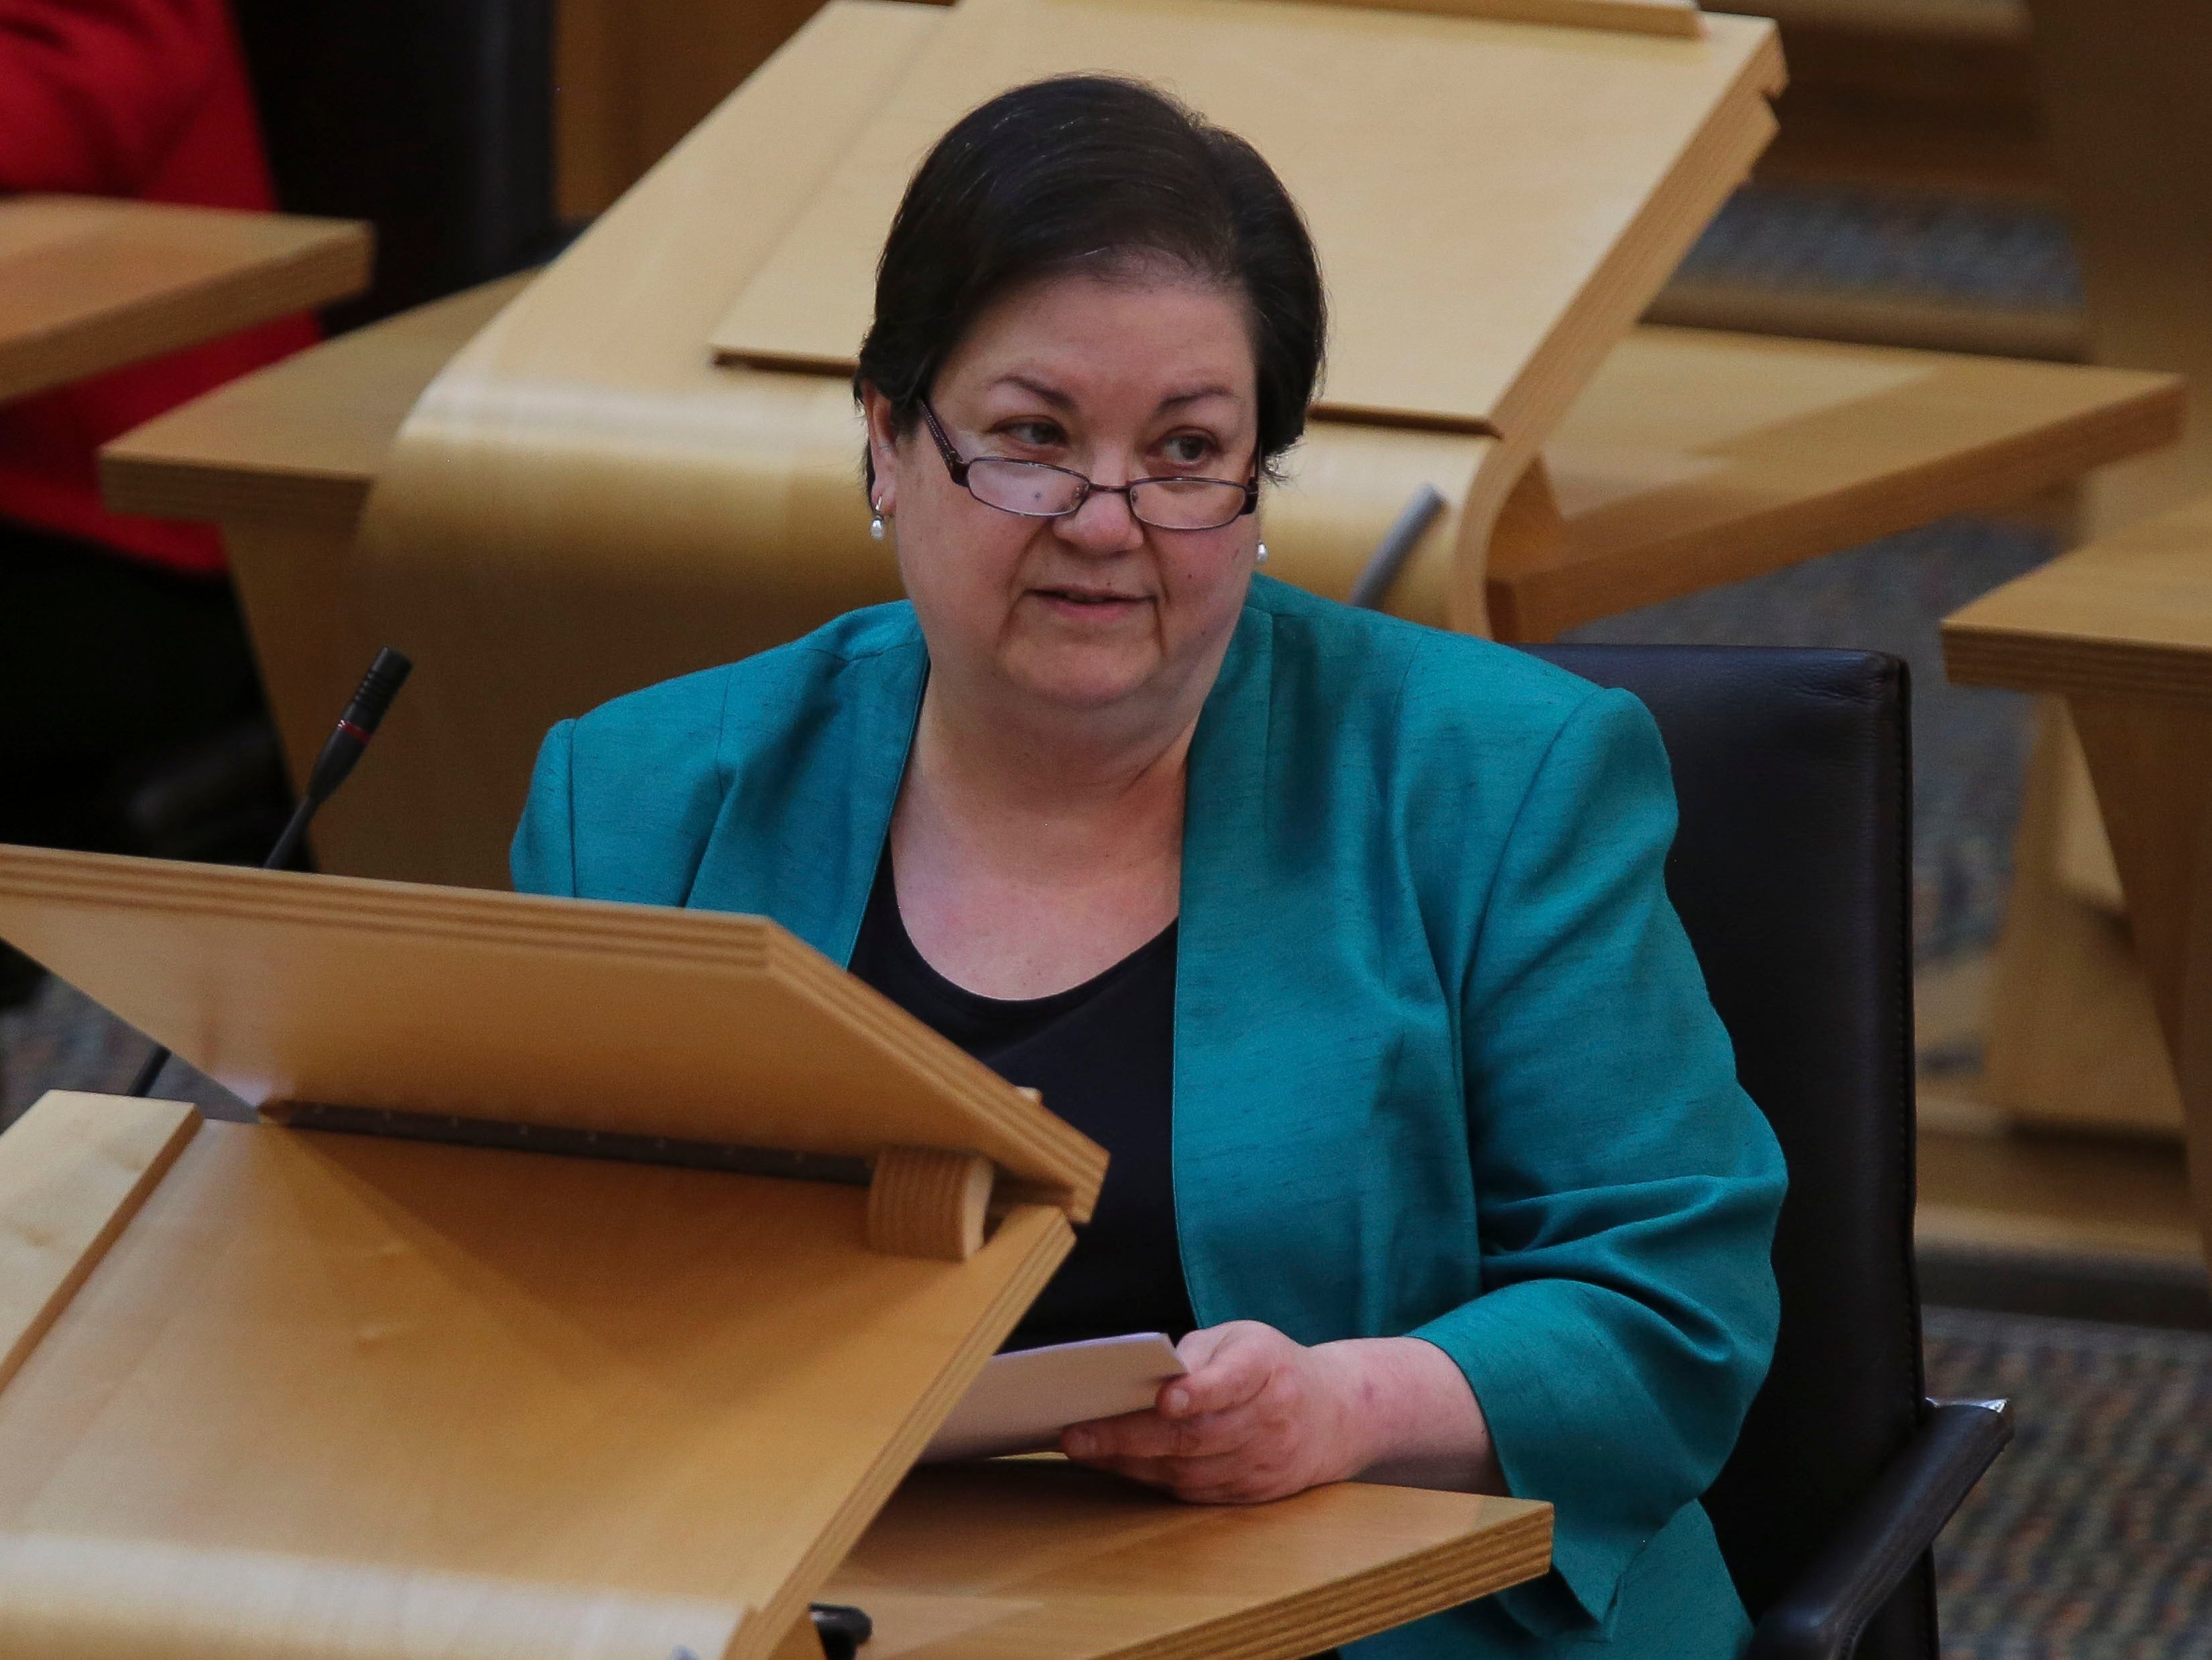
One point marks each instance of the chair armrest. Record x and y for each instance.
(1822, 1615)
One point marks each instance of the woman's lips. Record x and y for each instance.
(1086, 603)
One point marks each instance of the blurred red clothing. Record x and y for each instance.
(146, 99)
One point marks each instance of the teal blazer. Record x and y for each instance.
(1444, 1064)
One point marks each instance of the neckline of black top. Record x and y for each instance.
(972, 1011)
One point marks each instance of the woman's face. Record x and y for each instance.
(1144, 376)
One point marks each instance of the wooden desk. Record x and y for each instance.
(1693, 458)
(1040, 1558)
(2122, 629)
(88, 284)
(1696, 458)
(733, 1369)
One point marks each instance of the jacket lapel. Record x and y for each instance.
(803, 824)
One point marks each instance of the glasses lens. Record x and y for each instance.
(1188, 503)
(1023, 487)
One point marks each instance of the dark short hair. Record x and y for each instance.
(1092, 171)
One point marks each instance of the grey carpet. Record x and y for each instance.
(2091, 1537)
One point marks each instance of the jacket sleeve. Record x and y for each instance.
(94, 92)
(543, 858)
(1627, 1186)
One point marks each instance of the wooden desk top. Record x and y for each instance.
(88, 284)
(1694, 458)
(2129, 615)
(1043, 1560)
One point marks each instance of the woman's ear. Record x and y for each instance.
(883, 448)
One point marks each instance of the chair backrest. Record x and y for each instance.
(1790, 871)
(431, 118)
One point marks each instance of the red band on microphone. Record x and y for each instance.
(358, 733)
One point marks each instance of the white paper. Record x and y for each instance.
(1020, 1402)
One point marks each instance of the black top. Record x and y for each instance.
(1102, 1055)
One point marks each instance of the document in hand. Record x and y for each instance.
(1022, 1401)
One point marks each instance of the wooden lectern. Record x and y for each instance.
(599, 1273)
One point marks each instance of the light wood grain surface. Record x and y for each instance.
(512, 1009)
(1675, 17)
(2131, 615)
(381, 1400)
(1695, 458)
(73, 1171)
(2070, 1036)
(2123, 629)
(1040, 1559)
(386, 1401)
(633, 76)
(88, 283)
(1397, 133)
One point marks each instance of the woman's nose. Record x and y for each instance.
(1104, 523)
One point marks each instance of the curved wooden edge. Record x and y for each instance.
(927, 1203)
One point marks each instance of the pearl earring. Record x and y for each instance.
(1263, 555)
(876, 525)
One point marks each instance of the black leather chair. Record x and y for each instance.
(1790, 871)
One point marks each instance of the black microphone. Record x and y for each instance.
(340, 750)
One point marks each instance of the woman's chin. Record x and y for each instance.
(1084, 678)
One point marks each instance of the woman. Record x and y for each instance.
(1348, 938)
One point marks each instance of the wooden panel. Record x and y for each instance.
(73, 1171)
(2148, 759)
(2123, 629)
(88, 284)
(573, 1014)
(1696, 458)
(1395, 132)
(2071, 1038)
(303, 439)
(2126, 107)
(633, 76)
(2101, 1196)
(1676, 17)
(333, 1396)
(1042, 1560)
(2129, 615)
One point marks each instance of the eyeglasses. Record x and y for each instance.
(1036, 490)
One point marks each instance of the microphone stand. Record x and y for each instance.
(340, 750)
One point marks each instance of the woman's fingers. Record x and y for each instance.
(1227, 1372)
(1151, 1435)
(1257, 1417)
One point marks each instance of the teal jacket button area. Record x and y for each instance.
(1444, 1063)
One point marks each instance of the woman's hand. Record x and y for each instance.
(1260, 1417)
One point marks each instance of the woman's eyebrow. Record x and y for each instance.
(1047, 393)
(1177, 400)
(1040, 389)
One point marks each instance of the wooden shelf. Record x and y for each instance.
(88, 284)
(2131, 615)
(1697, 458)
